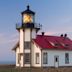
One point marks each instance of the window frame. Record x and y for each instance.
(37, 58)
(66, 58)
(18, 58)
(45, 58)
(27, 45)
(27, 59)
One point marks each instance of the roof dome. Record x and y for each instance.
(28, 11)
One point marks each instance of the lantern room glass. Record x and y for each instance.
(28, 18)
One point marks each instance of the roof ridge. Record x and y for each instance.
(49, 36)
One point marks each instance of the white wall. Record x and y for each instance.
(27, 35)
(21, 47)
(17, 52)
(22, 61)
(21, 41)
(33, 33)
(36, 49)
(61, 54)
(24, 36)
(21, 56)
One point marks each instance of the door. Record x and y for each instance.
(56, 61)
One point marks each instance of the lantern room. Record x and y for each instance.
(28, 20)
(28, 16)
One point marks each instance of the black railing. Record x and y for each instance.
(38, 25)
(18, 25)
(32, 25)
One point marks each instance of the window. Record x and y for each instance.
(27, 58)
(66, 45)
(37, 58)
(19, 58)
(52, 43)
(66, 58)
(45, 60)
(56, 44)
(27, 45)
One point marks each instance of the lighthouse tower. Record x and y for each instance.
(27, 31)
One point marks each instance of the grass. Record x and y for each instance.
(12, 68)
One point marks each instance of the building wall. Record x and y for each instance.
(36, 49)
(21, 41)
(61, 54)
(17, 52)
(33, 33)
(21, 47)
(51, 59)
(27, 35)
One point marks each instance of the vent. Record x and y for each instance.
(65, 35)
(42, 33)
(61, 35)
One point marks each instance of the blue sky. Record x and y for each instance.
(54, 15)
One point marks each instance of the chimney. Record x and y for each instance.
(61, 35)
(65, 35)
(42, 33)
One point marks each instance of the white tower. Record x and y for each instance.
(27, 30)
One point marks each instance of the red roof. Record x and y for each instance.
(53, 42)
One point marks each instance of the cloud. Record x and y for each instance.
(5, 39)
(57, 33)
(50, 33)
(58, 23)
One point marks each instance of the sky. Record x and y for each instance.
(54, 15)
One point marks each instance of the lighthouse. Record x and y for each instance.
(27, 31)
(33, 50)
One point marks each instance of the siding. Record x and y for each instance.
(61, 54)
(36, 49)
(17, 51)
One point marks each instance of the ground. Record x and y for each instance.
(12, 68)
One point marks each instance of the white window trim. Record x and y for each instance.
(46, 57)
(37, 58)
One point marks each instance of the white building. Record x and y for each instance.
(34, 50)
